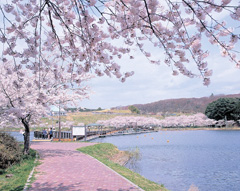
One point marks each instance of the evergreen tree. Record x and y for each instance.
(224, 108)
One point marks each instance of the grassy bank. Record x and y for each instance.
(106, 152)
(18, 174)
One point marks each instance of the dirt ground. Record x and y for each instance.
(122, 157)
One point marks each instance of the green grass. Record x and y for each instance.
(20, 174)
(104, 151)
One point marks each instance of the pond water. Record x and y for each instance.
(19, 137)
(210, 160)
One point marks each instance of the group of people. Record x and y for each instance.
(47, 134)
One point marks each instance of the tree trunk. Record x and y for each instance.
(26, 137)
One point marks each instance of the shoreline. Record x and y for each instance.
(156, 130)
(199, 128)
(168, 129)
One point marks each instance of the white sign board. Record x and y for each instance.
(78, 130)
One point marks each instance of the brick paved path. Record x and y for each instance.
(63, 168)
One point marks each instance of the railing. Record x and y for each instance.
(64, 135)
(67, 134)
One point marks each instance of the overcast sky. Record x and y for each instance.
(152, 83)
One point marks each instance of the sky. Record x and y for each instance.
(152, 83)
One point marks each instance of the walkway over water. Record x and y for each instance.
(64, 168)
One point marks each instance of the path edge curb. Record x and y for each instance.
(26, 187)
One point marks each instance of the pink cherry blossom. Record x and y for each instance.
(26, 97)
(82, 31)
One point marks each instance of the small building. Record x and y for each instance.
(55, 111)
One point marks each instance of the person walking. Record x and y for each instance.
(44, 133)
(50, 133)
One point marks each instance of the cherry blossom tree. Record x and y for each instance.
(67, 124)
(74, 37)
(91, 35)
(23, 102)
(130, 121)
(199, 120)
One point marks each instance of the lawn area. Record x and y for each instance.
(79, 117)
(19, 174)
(105, 152)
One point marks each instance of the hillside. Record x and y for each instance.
(183, 105)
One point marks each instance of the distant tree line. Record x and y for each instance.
(224, 109)
(181, 105)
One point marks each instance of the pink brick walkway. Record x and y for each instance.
(63, 168)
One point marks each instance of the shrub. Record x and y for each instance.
(10, 151)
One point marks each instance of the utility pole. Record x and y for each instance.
(52, 118)
(59, 122)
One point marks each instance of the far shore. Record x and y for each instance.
(198, 128)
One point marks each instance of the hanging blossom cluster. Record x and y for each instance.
(66, 30)
(92, 35)
(169, 25)
(22, 99)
